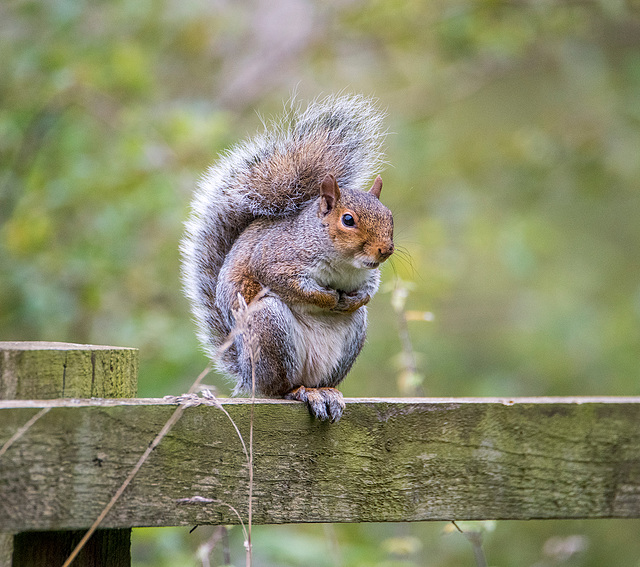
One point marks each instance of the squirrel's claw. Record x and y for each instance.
(335, 403)
(323, 403)
(317, 404)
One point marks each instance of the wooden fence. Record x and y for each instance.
(386, 460)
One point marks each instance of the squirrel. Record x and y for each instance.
(281, 221)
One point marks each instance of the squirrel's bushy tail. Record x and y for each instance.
(273, 175)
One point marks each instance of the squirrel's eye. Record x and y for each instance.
(348, 220)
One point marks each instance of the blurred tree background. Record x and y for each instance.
(514, 179)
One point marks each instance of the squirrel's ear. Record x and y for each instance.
(329, 194)
(376, 188)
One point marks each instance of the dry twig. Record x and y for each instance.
(475, 539)
(22, 430)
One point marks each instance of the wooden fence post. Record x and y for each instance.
(39, 370)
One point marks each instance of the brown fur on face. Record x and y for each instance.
(368, 234)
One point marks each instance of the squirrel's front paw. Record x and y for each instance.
(350, 302)
(323, 403)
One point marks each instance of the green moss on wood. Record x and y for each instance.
(386, 460)
(37, 370)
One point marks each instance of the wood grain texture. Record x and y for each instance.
(386, 460)
(42, 370)
(58, 370)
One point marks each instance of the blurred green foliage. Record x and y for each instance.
(514, 179)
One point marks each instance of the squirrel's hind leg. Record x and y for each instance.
(323, 403)
(266, 350)
(271, 348)
(326, 402)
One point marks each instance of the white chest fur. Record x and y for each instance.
(344, 276)
(320, 343)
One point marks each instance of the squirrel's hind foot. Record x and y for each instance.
(323, 403)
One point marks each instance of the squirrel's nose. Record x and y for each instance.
(385, 251)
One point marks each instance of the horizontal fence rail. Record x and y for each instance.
(386, 460)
